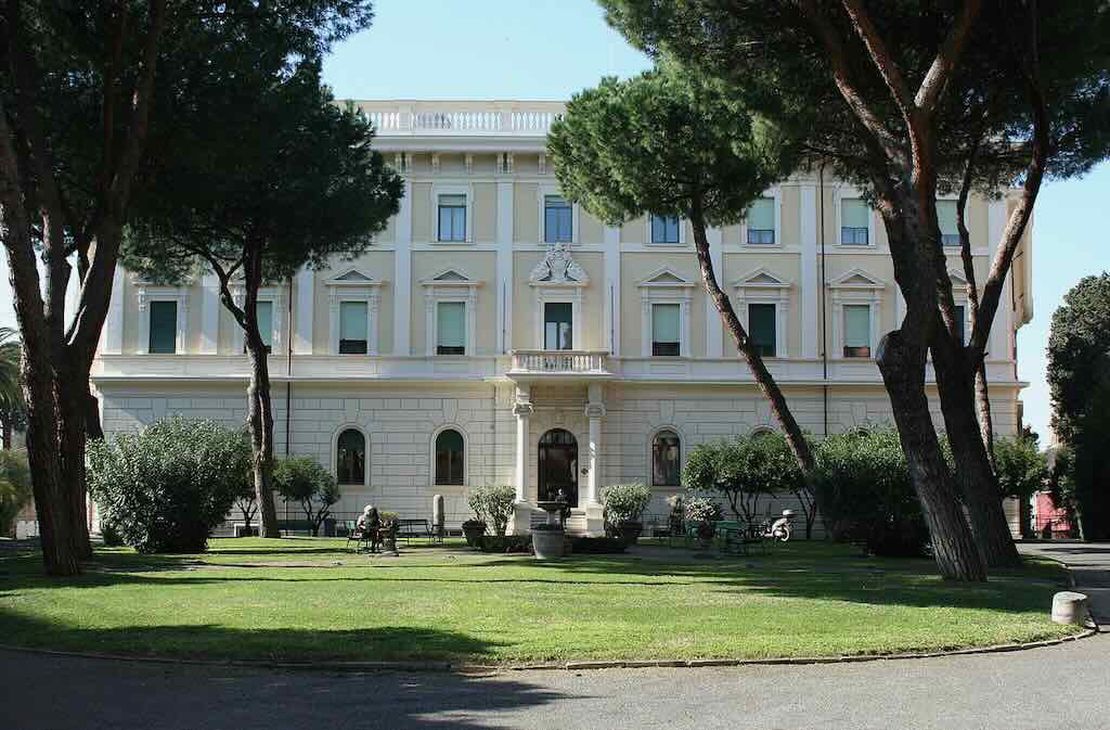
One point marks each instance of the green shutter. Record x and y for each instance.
(664, 323)
(854, 213)
(762, 328)
(265, 314)
(761, 215)
(946, 217)
(163, 328)
(857, 325)
(451, 325)
(353, 320)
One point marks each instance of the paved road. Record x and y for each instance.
(1090, 565)
(1060, 686)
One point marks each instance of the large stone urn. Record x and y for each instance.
(547, 541)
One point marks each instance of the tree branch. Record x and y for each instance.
(947, 57)
(880, 55)
(1019, 218)
(838, 58)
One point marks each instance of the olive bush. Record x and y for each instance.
(494, 504)
(625, 502)
(163, 489)
(865, 493)
(15, 486)
(743, 470)
(303, 480)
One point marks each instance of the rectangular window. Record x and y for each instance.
(762, 328)
(961, 327)
(558, 326)
(665, 330)
(761, 222)
(451, 328)
(354, 319)
(558, 219)
(452, 218)
(946, 217)
(163, 328)
(264, 311)
(857, 330)
(854, 218)
(664, 229)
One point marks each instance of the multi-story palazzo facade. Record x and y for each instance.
(495, 333)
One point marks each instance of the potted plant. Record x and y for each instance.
(704, 513)
(624, 509)
(548, 541)
(474, 529)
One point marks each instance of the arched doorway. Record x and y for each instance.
(558, 466)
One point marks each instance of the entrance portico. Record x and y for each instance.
(558, 448)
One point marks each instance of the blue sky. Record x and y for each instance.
(548, 49)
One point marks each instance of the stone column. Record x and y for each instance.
(522, 409)
(595, 411)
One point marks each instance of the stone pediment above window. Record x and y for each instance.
(762, 278)
(958, 279)
(352, 277)
(857, 279)
(558, 268)
(666, 278)
(450, 278)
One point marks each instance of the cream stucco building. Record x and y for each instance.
(495, 334)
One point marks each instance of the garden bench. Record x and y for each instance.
(410, 529)
(288, 526)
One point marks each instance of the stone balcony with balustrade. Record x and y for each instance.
(403, 124)
(559, 365)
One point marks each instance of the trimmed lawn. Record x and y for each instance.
(305, 598)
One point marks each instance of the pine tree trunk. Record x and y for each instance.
(902, 366)
(72, 390)
(779, 407)
(976, 478)
(262, 439)
(983, 407)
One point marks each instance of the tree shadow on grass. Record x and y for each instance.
(160, 696)
(804, 572)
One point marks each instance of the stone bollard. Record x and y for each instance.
(1069, 607)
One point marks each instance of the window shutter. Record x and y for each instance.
(857, 325)
(946, 217)
(264, 311)
(761, 215)
(353, 320)
(761, 328)
(853, 213)
(163, 328)
(665, 322)
(451, 327)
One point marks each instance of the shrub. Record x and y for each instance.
(505, 543)
(494, 504)
(15, 486)
(702, 509)
(597, 545)
(744, 469)
(625, 502)
(301, 479)
(865, 493)
(164, 488)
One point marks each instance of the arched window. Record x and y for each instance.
(350, 457)
(449, 457)
(666, 459)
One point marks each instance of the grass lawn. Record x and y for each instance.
(300, 599)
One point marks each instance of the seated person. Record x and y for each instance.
(370, 524)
